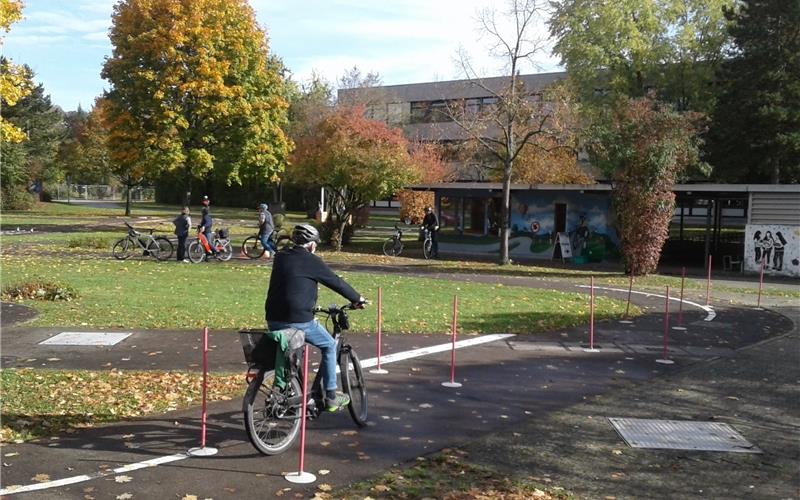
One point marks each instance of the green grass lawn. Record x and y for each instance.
(148, 294)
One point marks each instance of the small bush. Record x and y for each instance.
(15, 198)
(39, 291)
(89, 242)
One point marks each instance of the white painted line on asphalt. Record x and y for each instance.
(710, 314)
(13, 489)
(391, 358)
(424, 351)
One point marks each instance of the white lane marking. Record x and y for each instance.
(13, 489)
(424, 351)
(710, 314)
(391, 358)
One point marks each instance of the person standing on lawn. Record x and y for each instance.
(266, 227)
(182, 223)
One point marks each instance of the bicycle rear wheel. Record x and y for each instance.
(252, 247)
(164, 248)
(272, 426)
(353, 385)
(122, 249)
(226, 253)
(427, 247)
(196, 252)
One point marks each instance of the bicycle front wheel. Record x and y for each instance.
(427, 247)
(272, 426)
(226, 252)
(392, 247)
(122, 249)
(196, 252)
(353, 385)
(252, 247)
(164, 248)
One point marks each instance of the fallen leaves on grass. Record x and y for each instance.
(38, 403)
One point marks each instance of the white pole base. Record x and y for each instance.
(451, 384)
(205, 451)
(679, 328)
(591, 349)
(379, 371)
(300, 477)
(626, 322)
(665, 361)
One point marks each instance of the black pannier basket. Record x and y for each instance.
(222, 233)
(259, 350)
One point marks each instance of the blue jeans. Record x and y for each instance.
(266, 242)
(318, 336)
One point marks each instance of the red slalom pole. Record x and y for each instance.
(665, 359)
(708, 282)
(454, 332)
(378, 369)
(591, 317)
(203, 451)
(301, 476)
(760, 283)
(680, 304)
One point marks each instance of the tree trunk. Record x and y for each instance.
(776, 173)
(342, 226)
(505, 214)
(128, 200)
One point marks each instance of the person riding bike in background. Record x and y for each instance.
(431, 223)
(265, 229)
(292, 297)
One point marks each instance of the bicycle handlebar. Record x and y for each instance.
(333, 308)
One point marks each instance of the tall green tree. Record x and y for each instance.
(630, 47)
(755, 130)
(32, 160)
(192, 83)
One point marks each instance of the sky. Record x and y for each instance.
(405, 41)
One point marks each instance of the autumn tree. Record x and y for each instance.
(427, 160)
(193, 86)
(521, 118)
(356, 159)
(631, 47)
(644, 146)
(755, 131)
(15, 81)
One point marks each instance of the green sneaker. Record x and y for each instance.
(337, 404)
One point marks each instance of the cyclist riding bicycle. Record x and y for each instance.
(431, 223)
(292, 297)
(265, 229)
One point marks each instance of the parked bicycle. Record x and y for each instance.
(272, 415)
(200, 249)
(253, 248)
(157, 247)
(394, 245)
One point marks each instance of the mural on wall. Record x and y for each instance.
(587, 221)
(777, 246)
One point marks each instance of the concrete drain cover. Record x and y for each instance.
(681, 435)
(86, 338)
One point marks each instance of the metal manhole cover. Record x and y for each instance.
(681, 435)
(86, 338)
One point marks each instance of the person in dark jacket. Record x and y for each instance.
(431, 223)
(205, 228)
(265, 229)
(292, 297)
(182, 225)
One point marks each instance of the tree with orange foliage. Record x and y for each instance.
(427, 158)
(356, 159)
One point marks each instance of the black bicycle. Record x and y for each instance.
(157, 247)
(253, 248)
(272, 414)
(394, 245)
